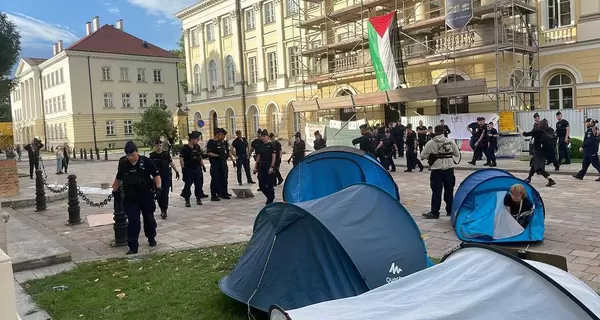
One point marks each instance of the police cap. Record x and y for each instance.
(130, 147)
(238, 132)
(363, 126)
(222, 131)
(558, 113)
(271, 135)
(157, 141)
(480, 118)
(194, 135)
(298, 135)
(536, 115)
(259, 131)
(264, 133)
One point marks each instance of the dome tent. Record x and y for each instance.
(476, 282)
(333, 247)
(331, 169)
(479, 215)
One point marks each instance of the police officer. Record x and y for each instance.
(164, 163)
(589, 149)
(439, 152)
(33, 153)
(389, 149)
(190, 159)
(480, 137)
(265, 167)
(319, 143)
(563, 131)
(141, 185)
(217, 155)
(229, 155)
(242, 161)
(446, 128)
(411, 150)
(367, 141)
(421, 135)
(492, 146)
(256, 144)
(298, 149)
(278, 149)
(398, 135)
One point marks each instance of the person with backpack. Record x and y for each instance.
(543, 141)
(551, 152)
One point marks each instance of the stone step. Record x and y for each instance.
(29, 249)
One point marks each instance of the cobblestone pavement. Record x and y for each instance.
(572, 219)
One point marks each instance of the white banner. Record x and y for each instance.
(458, 123)
(309, 134)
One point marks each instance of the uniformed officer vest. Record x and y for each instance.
(136, 180)
(161, 162)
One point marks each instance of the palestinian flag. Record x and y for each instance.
(384, 46)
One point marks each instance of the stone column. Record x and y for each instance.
(189, 66)
(235, 49)
(31, 100)
(260, 53)
(281, 48)
(25, 103)
(221, 61)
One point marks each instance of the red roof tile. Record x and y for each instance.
(109, 39)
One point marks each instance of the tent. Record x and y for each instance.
(333, 247)
(479, 215)
(475, 282)
(331, 169)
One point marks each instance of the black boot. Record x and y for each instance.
(430, 215)
(199, 202)
(152, 242)
(163, 214)
(187, 203)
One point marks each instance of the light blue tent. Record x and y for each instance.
(330, 248)
(332, 169)
(478, 213)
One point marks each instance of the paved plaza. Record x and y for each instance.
(572, 219)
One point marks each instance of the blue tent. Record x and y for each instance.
(332, 169)
(478, 213)
(334, 247)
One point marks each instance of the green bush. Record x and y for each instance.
(176, 148)
(575, 145)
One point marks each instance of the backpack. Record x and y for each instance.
(548, 139)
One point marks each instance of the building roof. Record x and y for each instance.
(34, 61)
(109, 39)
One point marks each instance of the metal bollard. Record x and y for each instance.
(74, 209)
(105, 154)
(84, 154)
(120, 225)
(91, 154)
(74, 154)
(97, 154)
(40, 192)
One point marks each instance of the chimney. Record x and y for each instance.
(88, 28)
(60, 46)
(120, 24)
(96, 23)
(54, 49)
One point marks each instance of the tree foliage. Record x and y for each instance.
(156, 123)
(180, 52)
(10, 48)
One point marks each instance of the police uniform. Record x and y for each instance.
(240, 144)
(162, 160)
(490, 154)
(439, 152)
(388, 153)
(411, 151)
(298, 149)
(480, 136)
(192, 170)
(278, 179)
(216, 150)
(563, 140)
(256, 144)
(139, 191)
(266, 168)
(367, 142)
(590, 151)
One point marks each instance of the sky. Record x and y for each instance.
(44, 22)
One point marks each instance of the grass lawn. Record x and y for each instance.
(179, 285)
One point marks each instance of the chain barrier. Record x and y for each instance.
(92, 203)
(55, 189)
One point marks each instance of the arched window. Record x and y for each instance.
(454, 105)
(230, 71)
(214, 122)
(230, 121)
(296, 122)
(254, 118)
(212, 75)
(346, 113)
(197, 117)
(560, 92)
(273, 118)
(197, 79)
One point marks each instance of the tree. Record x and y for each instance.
(10, 48)
(156, 123)
(180, 52)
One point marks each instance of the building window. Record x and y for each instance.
(108, 100)
(255, 119)
(126, 100)
(291, 7)
(106, 73)
(64, 102)
(157, 75)
(62, 76)
(128, 127)
(272, 64)
(43, 84)
(143, 100)
(58, 104)
(159, 99)
(250, 25)
(452, 105)
(141, 76)
(124, 74)
(110, 128)
(252, 70)
(296, 121)
(194, 35)
(294, 61)
(230, 71)
(54, 105)
(231, 120)
(269, 12)
(226, 26)
(560, 92)
(65, 129)
(559, 13)
(209, 32)
(57, 78)
(53, 80)
(212, 75)
(197, 79)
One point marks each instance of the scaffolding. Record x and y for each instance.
(333, 52)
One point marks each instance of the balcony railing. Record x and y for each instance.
(559, 36)
(453, 42)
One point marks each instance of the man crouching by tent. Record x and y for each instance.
(439, 152)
